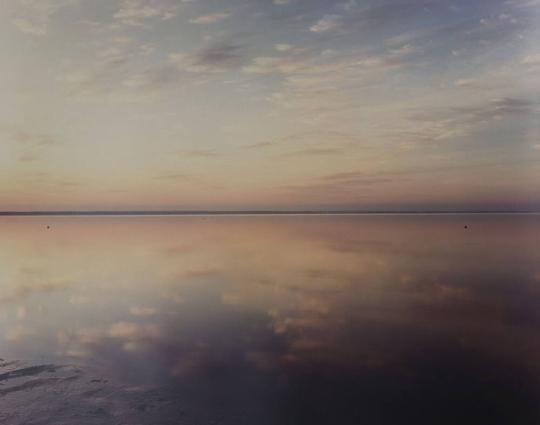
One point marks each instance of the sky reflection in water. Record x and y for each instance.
(271, 320)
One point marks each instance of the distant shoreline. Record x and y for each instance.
(246, 212)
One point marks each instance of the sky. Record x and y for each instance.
(269, 104)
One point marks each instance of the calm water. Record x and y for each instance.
(270, 320)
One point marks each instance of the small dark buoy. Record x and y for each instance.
(465, 227)
(48, 227)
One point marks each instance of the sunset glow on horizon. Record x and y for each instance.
(261, 104)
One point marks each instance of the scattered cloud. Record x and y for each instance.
(209, 19)
(276, 64)
(51, 182)
(31, 146)
(103, 73)
(317, 151)
(283, 47)
(327, 23)
(419, 74)
(260, 145)
(303, 64)
(531, 60)
(34, 16)
(348, 6)
(330, 138)
(344, 186)
(28, 157)
(354, 177)
(318, 85)
(34, 140)
(449, 123)
(135, 12)
(202, 153)
(466, 82)
(523, 3)
(185, 68)
(154, 79)
(216, 58)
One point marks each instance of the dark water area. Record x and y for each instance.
(378, 320)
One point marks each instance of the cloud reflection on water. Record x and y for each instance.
(286, 319)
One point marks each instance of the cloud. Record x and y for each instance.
(109, 73)
(187, 68)
(34, 16)
(103, 71)
(523, 3)
(260, 145)
(512, 105)
(466, 82)
(209, 19)
(354, 178)
(348, 6)
(135, 12)
(361, 81)
(31, 146)
(283, 47)
(317, 151)
(319, 85)
(339, 186)
(49, 182)
(334, 139)
(327, 23)
(276, 64)
(34, 140)
(202, 153)
(531, 60)
(216, 58)
(153, 79)
(302, 63)
(309, 145)
(444, 124)
(28, 157)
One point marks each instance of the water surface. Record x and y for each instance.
(270, 320)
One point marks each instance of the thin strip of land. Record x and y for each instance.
(246, 212)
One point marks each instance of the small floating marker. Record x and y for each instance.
(48, 227)
(465, 227)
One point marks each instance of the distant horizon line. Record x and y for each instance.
(249, 212)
